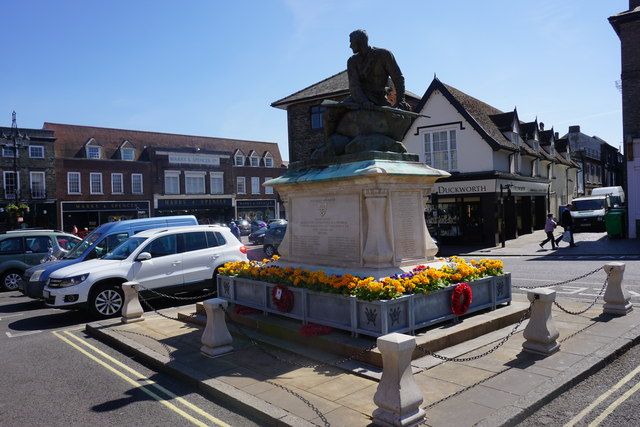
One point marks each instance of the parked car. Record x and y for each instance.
(244, 226)
(257, 237)
(21, 249)
(272, 239)
(256, 225)
(100, 241)
(170, 260)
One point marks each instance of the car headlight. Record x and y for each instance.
(36, 275)
(71, 281)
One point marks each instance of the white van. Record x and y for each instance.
(616, 194)
(588, 212)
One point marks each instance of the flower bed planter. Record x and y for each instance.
(374, 318)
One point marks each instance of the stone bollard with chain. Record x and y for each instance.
(216, 339)
(541, 332)
(131, 309)
(616, 297)
(398, 397)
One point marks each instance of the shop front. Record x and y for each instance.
(485, 211)
(217, 210)
(259, 210)
(89, 215)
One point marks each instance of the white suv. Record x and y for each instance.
(169, 260)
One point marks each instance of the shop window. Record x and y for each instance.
(440, 150)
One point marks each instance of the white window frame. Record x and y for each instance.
(254, 161)
(14, 193)
(447, 158)
(71, 183)
(268, 190)
(33, 151)
(241, 185)
(168, 189)
(137, 181)
(9, 151)
(268, 161)
(117, 179)
(124, 150)
(255, 185)
(216, 182)
(89, 152)
(42, 178)
(197, 177)
(238, 159)
(95, 179)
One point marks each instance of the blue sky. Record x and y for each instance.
(212, 68)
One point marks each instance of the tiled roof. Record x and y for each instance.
(504, 121)
(70, 140)
(336, 85)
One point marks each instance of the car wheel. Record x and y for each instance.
(106, 301)
(270, 251)
(10, 280)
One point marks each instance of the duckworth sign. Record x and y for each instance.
(483, 186)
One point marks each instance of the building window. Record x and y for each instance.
(268, 161)
(127, 154)
(11, 184)
(37, 185)
(255, 185)
(36, 151)
(117, 186)
(171, 182)
(255, 161)
(241, 186)
(136, 183)
(317, 117)
(268, 190)
(95, 183)
(216, 181)
(238, 159)
(194, 182)
(8, 151)
(93, 152)
(440, 150)
(73, 182)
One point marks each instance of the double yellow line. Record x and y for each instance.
(91, 353)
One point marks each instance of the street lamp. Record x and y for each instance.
(18, 140)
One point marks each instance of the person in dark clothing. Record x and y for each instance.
(567, 223)
(234, 229)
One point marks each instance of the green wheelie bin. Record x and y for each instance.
(614, 223)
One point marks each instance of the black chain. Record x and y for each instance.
(177, 319)
(153, 291)
(561, 283)
(575, 313)
(309, 404)
(494, 348)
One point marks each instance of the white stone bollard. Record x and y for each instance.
(398, 397)
(616, 297)
(216, 339)
(131, 309)
(541, 332)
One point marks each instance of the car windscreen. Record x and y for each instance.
(124, 249)
(82, 246)
(588, 205)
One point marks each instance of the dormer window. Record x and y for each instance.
(238, 159)
(268, 160)
(93, 152)
(255, 160)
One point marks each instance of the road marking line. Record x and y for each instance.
(11, 315)
(131, 381)
(150, 382)
(21, 334)
(614, 405)
(602, 397)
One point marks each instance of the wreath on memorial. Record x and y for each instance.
(282, 298)
(461, 299)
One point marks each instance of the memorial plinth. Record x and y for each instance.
(364, 216)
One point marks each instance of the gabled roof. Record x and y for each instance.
(476, 112)
(529, 130)
(504, 121)
(334, 86)
(72, 138)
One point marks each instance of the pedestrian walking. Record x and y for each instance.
(567, 224)
(234, 229)
(549, 226)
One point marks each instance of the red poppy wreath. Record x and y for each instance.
(461, 299)
(282, 298)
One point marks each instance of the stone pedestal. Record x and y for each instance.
(216, 339)
(131, 309)
(365, 214)
(541, 332)
(616, 298)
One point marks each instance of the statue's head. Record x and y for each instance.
(358, 40)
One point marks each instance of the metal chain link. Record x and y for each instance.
(494, 348)
(561, 283)
(145, 302)
(160, 294)
(309, 404)
(590, 305)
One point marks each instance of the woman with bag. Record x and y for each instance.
(567, 223)
(549, 226)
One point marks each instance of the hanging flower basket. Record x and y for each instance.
(461, 299)
(282, 298)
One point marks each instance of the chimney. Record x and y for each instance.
(556, 135)
(633, 4)
(541, 126)
(576, 129)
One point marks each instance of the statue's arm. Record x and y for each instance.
(396, 76)
(355, 90)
